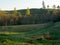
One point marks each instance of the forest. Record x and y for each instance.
(36, 16)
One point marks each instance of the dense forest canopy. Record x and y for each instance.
(35, 16)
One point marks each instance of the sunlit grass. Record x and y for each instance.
(18, 39)
(11, 32)
(20, 44)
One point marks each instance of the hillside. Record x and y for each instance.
(53, 28)
(17, 28)
(33, 11)
(42, 27)
(28, 34)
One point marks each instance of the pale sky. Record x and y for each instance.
(23, 4)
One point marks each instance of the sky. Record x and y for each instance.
(23, 4)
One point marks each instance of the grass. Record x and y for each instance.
(23, 33)
(5, 32)
(44, 43)
(19, 28)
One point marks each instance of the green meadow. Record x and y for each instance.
(30, 34)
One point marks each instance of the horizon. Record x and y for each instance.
(20, 4)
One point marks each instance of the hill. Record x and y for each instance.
(32, 32)
(38, 29)
(33, 11)
(43, 26)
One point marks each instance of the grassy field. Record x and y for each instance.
(19, 28)
(28, 34)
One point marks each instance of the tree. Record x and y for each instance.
(43, 4)
(56, 14)
(58, 7)
(54, 7)
(47, 6)
(15, 11)
(28, 12)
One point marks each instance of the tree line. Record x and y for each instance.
(35, 16)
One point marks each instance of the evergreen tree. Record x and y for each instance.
(43, 4)
(47, 6)
(54, 7)
(15, 11)
(58, 7)
(28, 12)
